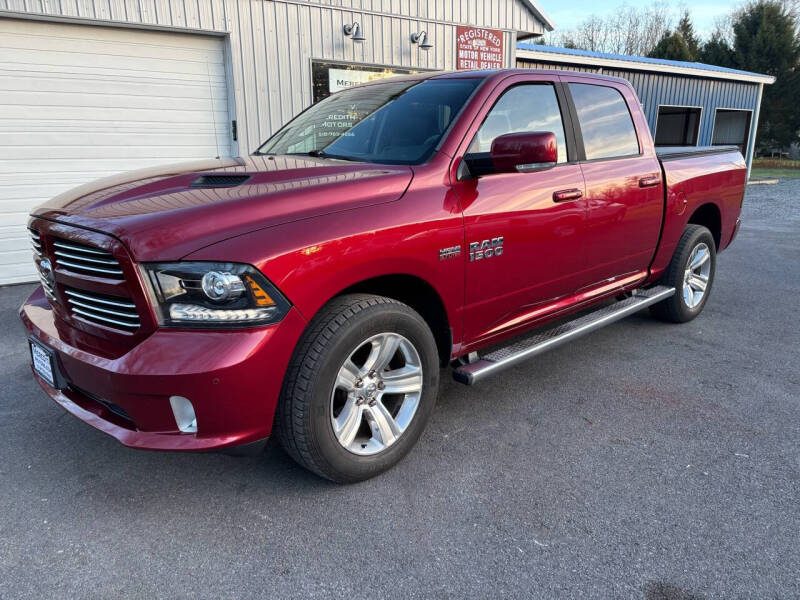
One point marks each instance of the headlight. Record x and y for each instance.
(205, 294)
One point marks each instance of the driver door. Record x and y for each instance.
(532, 224)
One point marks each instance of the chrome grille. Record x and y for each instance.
(36, 243)
(86, 259)
(46, 286)
(43, 266)
(103, 310)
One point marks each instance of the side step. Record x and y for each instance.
(513, 354)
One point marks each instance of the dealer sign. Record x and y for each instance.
(479, 48)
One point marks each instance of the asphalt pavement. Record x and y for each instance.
(647, 460)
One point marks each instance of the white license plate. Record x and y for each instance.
(43, 363)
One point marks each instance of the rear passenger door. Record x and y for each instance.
(624, 193)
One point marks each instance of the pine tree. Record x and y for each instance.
(672, 47)
(686, 31)
(716, 51)
(765, 42)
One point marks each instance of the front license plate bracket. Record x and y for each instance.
(45, 364)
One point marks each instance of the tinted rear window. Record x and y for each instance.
(605, 121)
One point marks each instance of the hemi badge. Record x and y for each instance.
(450, 252)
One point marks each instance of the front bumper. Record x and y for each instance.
(233, 379)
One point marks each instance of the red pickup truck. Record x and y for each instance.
(316, 288)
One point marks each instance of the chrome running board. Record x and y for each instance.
(528, 347)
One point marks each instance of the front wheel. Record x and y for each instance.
(691, 272)
(360, 388)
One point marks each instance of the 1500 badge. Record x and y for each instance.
(485, 249)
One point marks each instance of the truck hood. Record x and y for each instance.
(165, 213)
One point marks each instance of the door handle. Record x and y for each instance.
(567, 195)
(649, 181)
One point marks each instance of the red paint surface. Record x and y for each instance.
(513, 149)
(316, 227)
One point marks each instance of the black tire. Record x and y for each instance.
(303, 419)
(675, 309)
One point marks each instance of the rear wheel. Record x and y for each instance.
(691, 272)
(360, 388)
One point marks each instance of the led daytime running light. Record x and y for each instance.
(192, 312)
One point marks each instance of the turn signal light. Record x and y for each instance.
(260, 297)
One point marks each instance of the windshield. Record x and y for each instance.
(397, 122)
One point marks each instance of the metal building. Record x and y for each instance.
(93, 87)
(686, 103)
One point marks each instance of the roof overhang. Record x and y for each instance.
(635, 65)
(539, 14)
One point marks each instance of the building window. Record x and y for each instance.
(330, 77)
(732, 128)
(677, 125)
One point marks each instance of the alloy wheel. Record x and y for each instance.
(376, 393)
(695, 277)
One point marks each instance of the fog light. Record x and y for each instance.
(184, 414)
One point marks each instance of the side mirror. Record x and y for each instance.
(524, 152)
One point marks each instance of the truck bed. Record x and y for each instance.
(678, 152)
(713, 177)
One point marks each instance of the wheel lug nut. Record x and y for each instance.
(372, 373)
(360, 400)
(373, 402)
(359, 382)
(381, 385)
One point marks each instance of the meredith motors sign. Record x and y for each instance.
(479, 48)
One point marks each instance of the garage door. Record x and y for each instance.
(81, 102)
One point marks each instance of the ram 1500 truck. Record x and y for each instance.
(315, 289)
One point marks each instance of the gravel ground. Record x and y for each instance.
(645, 461)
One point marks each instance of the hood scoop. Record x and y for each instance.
(219, 181)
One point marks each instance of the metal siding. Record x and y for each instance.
(500, 14)
(656, 89)
(271, 42)
(108, 100)
(279, 79)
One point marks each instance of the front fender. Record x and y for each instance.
(313, 260)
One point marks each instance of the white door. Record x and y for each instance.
(81, 102)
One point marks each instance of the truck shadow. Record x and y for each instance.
(657, 590)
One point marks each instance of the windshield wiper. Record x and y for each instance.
(322, 154)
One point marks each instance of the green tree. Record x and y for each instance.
(568, 42)
(686, 31)
(716, 51)
(765, 41)
(672, 47)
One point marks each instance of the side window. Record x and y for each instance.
(529, 107)
(605, 121)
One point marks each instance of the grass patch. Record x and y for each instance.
(759, 173)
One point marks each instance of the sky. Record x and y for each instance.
(568, 15)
